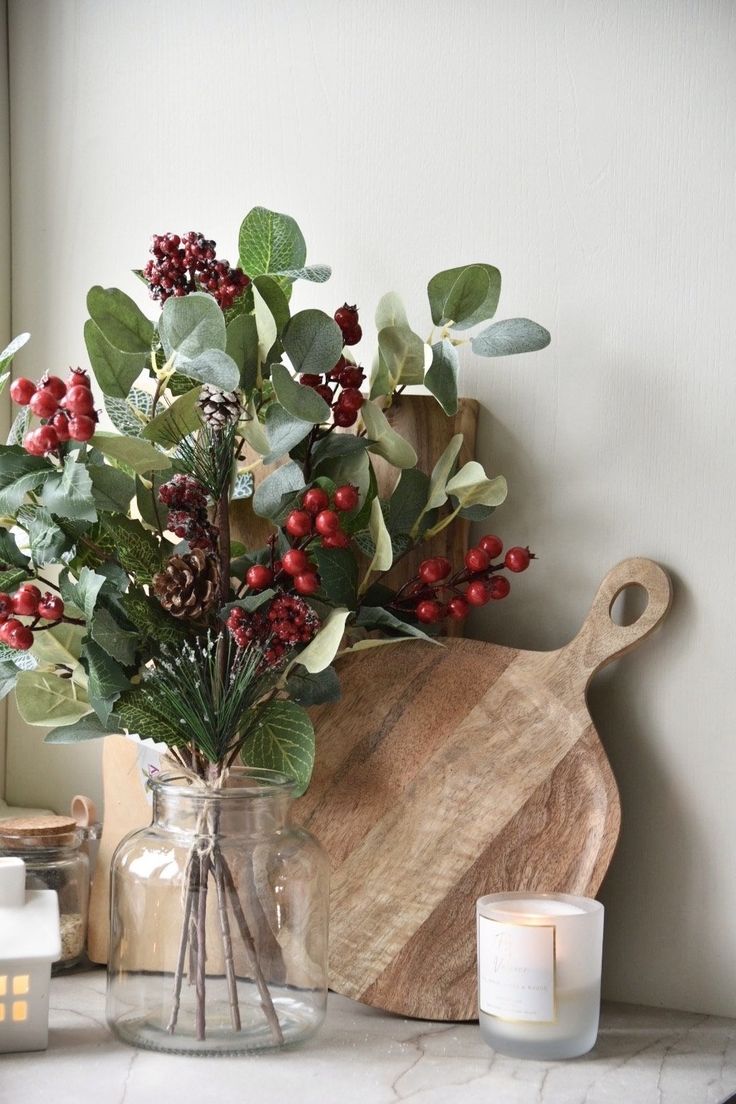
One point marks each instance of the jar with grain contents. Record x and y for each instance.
(51, 847)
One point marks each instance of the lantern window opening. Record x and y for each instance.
(20, 1011)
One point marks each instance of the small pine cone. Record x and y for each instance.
(219, 409)
(187, 587)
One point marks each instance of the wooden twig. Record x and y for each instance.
(200, 1016)
(183, 940)
(227, 946)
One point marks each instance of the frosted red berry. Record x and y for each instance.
(295, 562)
(500, 587)
(517, 559)
(51, 607)
(477, 593)
(476, 559)
(81, 427)
(31, 443)
(299, 523)
(22, 391)
(43, 403)
(492, 545)
(429, 611)
(307, 583)
(315, 499)
(457, 608)
(346, 497)
(258, 577)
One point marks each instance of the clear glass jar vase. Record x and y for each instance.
(219, 912)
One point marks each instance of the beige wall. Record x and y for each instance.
(588, 150)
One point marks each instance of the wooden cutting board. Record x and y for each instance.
(448, 772)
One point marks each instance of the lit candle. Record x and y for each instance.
(539, 973)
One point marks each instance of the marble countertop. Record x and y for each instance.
(643, 1056)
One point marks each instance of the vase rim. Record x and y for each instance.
(241, 782)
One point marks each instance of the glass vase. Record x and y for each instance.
(219, 912)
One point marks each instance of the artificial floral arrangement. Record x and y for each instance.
(125, 604)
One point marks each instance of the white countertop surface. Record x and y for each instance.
(643, 1056)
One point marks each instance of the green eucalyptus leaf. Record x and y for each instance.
(269, 493)
(191, 325)
(391, 312)
(300, 401)
(115, 371)
(270, 242)
(272, 294)
(284, 431)
(241, 345)
(441, 377)
(407, 501)
(472, 487)
(19, 474)
(403, 353)
(131, 414)
(118, 642)
(513, 335)
(134, 452)
(350, 467)
(88, 727)
(153, 512)
(383, 556)
(380, 378)
(122, 322)
(321, 651)
(309, 690)
(69, 492)
(338, 572)
(44, 699)
(467, 294)
(450, 284)
(337, 445)
(384, 440)
(313, 342)
(281, 738)
(266, 328)
(441, 473)
(175, 422)
(375, 617)
(112, 489)
(212, 366)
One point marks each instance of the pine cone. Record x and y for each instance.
(219, 409)
(187, 587)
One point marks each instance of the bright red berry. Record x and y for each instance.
(476, 559)
(7, 627)
(78, 378)
(51, 607)
(47, 438)
(517, 559)
(19, 637)
(457, 608)
(31, 443)
(500, 587)
(55, 385)
(306, 583)
(259, 576)
(295, 562)
(298, 523)
(309, 379)
(25, 601)
(43, 403)
(326, 521)
(352, 399)
(346, 497)
(6, 607)
(79, 400)
(336, 540)
(429, 611)
(344, 417)
(22, 391)
(81, 427)
(434, 570)
(315, 499)
(478, 593)
(60, 422)
(492, 545)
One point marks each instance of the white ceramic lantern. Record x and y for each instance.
(29, 943)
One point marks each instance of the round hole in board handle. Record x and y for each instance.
(629, 604)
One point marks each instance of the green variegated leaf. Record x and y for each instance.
(270, 242)
(12, 578)
(119, 643)
(23, 661)
(282, 739)
(151, 620)
(10, 554)
(8, 678)
(6, 356)
(20, 426)
(136, 548)
(131, 414)
(140, 717)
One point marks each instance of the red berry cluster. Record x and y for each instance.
(187, 501)
(340, 389)
(475, 584)
(347, 319)
(67, 410)
(286, 622)
(26, 602)
(189, 263)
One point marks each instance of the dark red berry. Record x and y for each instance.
(429, 611)
(55, 385)
(457, 608)
(310, 380)
(51, 607)
(478, 593)
(336, 540)
(352, 336)
(344, 417)
(22, 391)
(60, 422)
(259, 576)
(315, 499)
(352, 376)
(79, 400)
(500, 587)
(352, 399)
(299, 523)
(19, 637)
(81, 427)
(326, 522)
(434, 570)
(47, 438)
(517, 559)
(492, 545)
(476, 559)
(9, 626)
(295, 562)
(337, 371)
(43, 403)
(326, 392)
(25, 601)
(346, 497)
(307, 583)
(346, 316)
(6, 607)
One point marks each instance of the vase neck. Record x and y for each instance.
(238, 811)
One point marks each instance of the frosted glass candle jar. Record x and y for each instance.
(539, 973)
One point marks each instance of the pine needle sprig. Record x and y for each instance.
(208, 455)
(186, 686)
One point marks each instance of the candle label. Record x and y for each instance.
(516, 970)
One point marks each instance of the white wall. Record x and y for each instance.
(585, 148)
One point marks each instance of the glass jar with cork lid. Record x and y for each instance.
(51, 847)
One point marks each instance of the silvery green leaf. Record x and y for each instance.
(300, 401)
(391, 312)
(445, 284)
(212, 366)
(380, 379)
(20, 426)
(313, 341)
(191, 325)
(384, 440)
(284, 431)
(403, 353)
(269, 493)
(513, 335)
(114, 370)
(122, 323)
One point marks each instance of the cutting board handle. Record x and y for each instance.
(601, 640)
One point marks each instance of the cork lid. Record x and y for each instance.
(41, 830)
